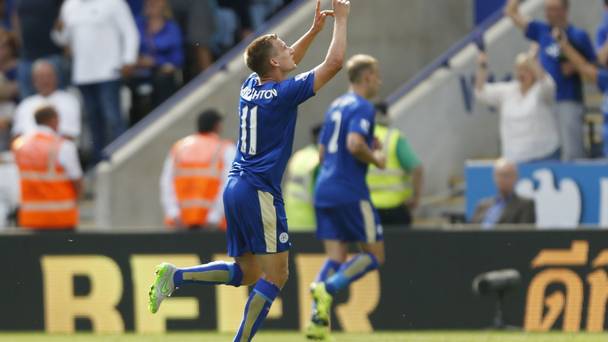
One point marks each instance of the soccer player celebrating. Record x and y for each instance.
(342, 200)
(257, 225)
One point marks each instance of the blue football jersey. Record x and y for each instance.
(342, 177)
(267, 116)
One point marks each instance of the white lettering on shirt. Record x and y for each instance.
(250, 94)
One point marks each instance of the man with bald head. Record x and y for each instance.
(506, 207)
(569, 95)
(44, 78)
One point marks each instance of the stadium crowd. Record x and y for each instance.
(542, 110)
(105, 64)
(95, 47)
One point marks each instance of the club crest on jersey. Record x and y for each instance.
(249, 94)
(365, 125)
(284, 237)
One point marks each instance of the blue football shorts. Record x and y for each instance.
(256, 220)
(350, 222)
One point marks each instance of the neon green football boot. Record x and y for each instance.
(317, 329)
(322, 301)
(162, 287)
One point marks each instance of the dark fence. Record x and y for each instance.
(68, 282)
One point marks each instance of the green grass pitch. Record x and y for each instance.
(297, 337)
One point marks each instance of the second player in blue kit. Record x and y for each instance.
(589, 71)
(343, 206)
(342, 198)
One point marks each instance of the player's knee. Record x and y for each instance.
(339, 259)
(251, 278)
(380, 259)
(278, 277)
(251, 273)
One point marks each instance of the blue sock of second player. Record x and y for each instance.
(350, 271)
(329, 268)
(213, 273)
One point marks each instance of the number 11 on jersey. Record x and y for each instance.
(249, 129)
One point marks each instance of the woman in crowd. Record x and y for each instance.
(528, 128)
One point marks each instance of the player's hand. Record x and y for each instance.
(341, 8)
(380, 159)
(320, 17)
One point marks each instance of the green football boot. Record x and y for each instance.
(162, 287)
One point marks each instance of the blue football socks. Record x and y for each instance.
(214, 273)
(256, 310)
(349, 272)
(330, 267)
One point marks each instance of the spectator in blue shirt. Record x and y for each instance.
(160, 59)
(597, 75)
(569, 95)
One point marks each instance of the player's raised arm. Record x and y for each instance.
(512, 11)
(337, 49)
(586, 69)
(301, 46)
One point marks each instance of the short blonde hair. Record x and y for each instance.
(357, 64)
(259, 52)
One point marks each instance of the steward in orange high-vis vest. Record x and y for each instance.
(50, 176)
(194, 174)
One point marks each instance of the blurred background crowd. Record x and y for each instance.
(105, 64)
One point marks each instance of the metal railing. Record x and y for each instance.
(443, 61)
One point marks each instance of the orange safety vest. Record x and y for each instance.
(48, 197)
(198, 162)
